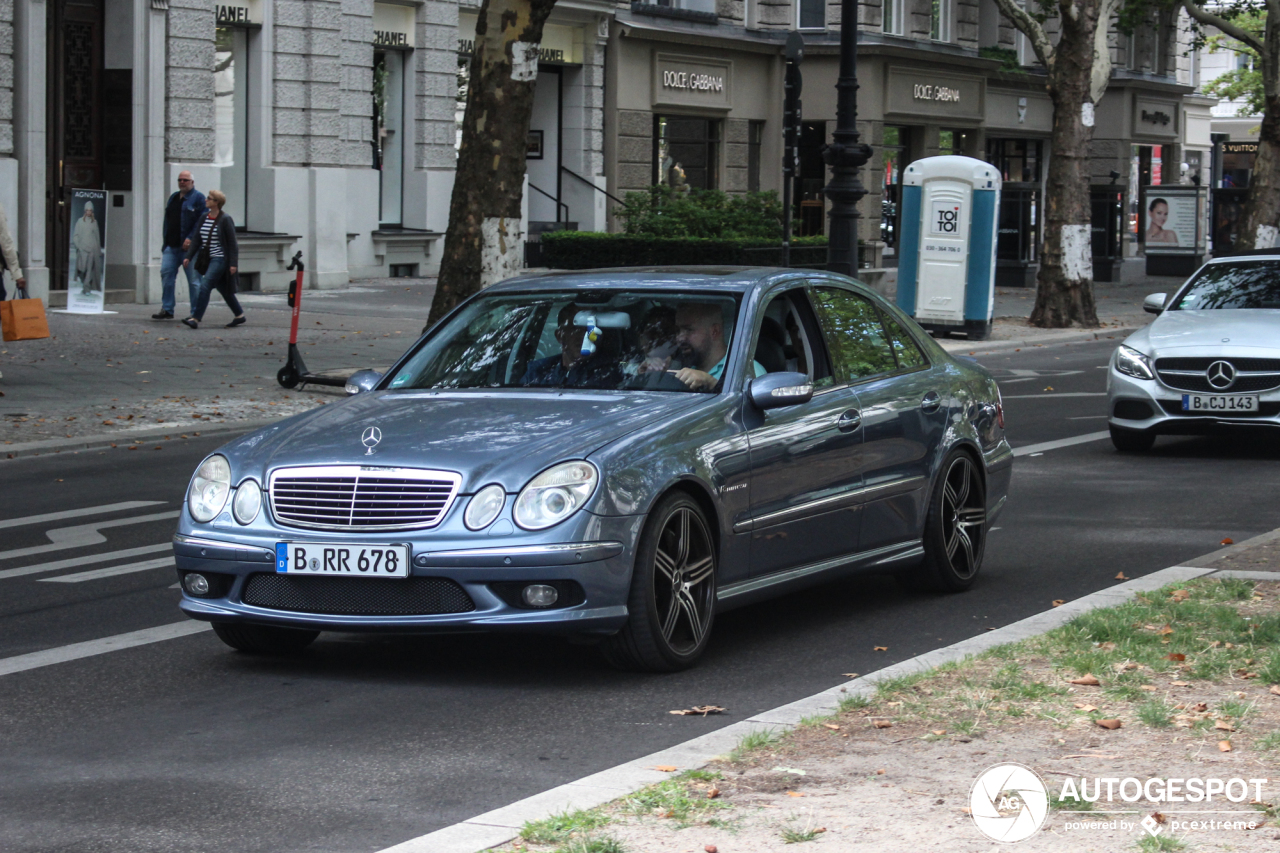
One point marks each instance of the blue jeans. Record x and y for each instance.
(216, 278)
(170, 261)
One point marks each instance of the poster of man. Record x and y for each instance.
(87, 268)
(1171, 216)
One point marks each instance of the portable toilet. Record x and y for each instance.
(947, 248)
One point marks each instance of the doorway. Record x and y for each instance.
(74, 110)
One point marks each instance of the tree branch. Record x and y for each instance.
(1209, 19)
(1102, 51)
(1030, 28)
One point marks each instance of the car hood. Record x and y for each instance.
(1205, 330)
(504, 437)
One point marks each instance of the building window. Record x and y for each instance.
(686, 152)
(811, 14)
(892, 17)
(388, 132)
(231, 116)
(1017, 159)
(940, 20)
(755, 134)
(953, 142)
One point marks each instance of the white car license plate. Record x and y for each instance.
(1219, 403)
(348, 561)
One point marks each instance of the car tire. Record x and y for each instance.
(955, 530)
(1132, 440)
(264, 639)
(672, 602)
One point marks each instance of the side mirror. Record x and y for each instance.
(1154, 303)
(775, 390)
(363, 380)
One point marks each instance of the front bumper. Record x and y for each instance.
(596, 565)
(1147, 405)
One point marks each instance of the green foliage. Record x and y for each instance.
(560, 827)
(752, 741)
(592, 844)
(662, 211)
(676, 799)
(1008, 57)
(582, 250)
(1240, 83)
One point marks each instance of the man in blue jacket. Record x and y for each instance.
(182, 216)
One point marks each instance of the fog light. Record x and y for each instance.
(539, 595)
(198, 584)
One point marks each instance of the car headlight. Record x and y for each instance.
(555, 494)
(209, 489)
(247, 502)
(484, 507)
(1133, 363)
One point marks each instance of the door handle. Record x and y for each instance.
(930, 402)
(849, 421)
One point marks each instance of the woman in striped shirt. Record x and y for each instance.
(218, 233)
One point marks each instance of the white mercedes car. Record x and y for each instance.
(1209, 363)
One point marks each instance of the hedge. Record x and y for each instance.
(580, 250)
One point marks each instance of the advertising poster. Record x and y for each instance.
(1171, 217)
(87, 267)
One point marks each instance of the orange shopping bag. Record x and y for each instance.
(23, 319)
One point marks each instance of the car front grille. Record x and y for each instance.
(349, 497)
(1265, 410)
(357, 596)
(1189, 374)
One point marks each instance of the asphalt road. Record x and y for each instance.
(361, 743)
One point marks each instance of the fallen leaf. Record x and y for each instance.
(1048, 387)
(831, 726)
(1121, 577)
(664, 768)
(1086, 708)
(1224, 726)
(1157, 817)
(1089, 680)
(1179, 683)
(710, 848)
(1107, 647)
(939, 732)
(698, 710)
(1228, 541)
(1245, 674)
(880, 772)
(850, 675)
(1165, 631)
(1179, 595)
(713, 793)
(794, 794)
(1108, 724)
(965, 809)
(1058, 602)
(1177, 656)
(880, 648)
(882, 724)
(1275, 688)
(1200, 706)
(1224, 746)
(820, 829)
(1147, 687)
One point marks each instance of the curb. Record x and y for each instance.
(163, 432)
(990, 347)
(503, 824)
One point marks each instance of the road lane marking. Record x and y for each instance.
(1032, 449)
(90, 648)
(111, 571)
(75, 562)
(1088, 417)
(76, 513)
(1055, 394)
(62, 538)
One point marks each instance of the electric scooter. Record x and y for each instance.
(294, 373)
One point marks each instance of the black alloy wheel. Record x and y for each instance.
(955, 534)
(673, 591)
(264, 639)
(287, 376)
(1132, 440)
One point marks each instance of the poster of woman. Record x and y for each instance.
(1171, 215)
(87, 269)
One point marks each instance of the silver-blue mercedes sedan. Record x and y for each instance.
(612, 455)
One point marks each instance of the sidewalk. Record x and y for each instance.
(114, 376)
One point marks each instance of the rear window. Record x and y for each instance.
(1221, 286)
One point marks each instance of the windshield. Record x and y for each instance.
(601, 339)
(1248, 285)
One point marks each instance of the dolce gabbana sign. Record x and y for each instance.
(913, 92)
(692, 81)
(246, 13)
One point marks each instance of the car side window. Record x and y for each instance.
(907, 350)
(854, 334)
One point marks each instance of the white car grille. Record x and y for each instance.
(352, 497)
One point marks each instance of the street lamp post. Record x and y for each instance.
(845, 155)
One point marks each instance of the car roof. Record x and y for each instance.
(1272, 254)
(740, 279)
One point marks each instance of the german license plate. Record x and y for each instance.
(1219, 403)
(348, 561)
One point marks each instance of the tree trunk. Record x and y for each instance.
(1262, 206)
(1064, 284)
(485, 236)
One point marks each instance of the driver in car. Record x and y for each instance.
(570, 368)
(700, 342)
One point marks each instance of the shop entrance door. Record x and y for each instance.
(75, 74)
